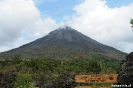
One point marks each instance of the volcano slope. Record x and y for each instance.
(63, 43)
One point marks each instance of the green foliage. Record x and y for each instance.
(65, 80)
(49, 70)
(16, 59)
(7, 79)
(23, 81)
(93, 66)
(131, 21)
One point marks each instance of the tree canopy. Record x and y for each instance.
(131, 22)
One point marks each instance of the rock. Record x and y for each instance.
(48, 85)
(65, 80)
(36, 83)
(42, 84)
(126, 71)
(7, 80)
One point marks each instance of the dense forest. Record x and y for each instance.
(16, 72)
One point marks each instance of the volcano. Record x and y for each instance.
(63, 43)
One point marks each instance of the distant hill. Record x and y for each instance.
(63, 43)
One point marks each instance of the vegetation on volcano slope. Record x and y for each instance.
(49, 70)
(59, 52)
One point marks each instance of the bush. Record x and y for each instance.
(93, 66)
(131, 21)
(7, 80)
(23, 81)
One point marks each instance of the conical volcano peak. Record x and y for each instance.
(63, 40)
(62, 30)
(63, 33)
(65, 28)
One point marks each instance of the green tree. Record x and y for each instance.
(93, 66)
(23, 81)
(16, 59)
(131, 22)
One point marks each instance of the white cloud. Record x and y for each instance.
(20, 22)
(109, 26)
(15, 16)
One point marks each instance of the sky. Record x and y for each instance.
(106, 21)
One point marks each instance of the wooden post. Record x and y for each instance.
(78, 85)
